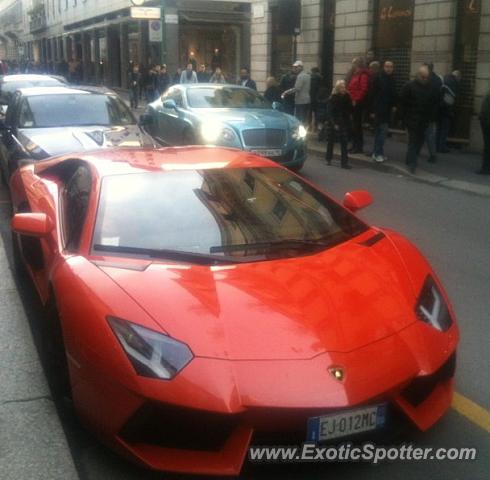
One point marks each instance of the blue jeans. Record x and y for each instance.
(379, 138)
(443, 132)
(430, 138)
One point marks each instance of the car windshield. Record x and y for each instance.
(225, 97)
(235, 214)
(74, 109)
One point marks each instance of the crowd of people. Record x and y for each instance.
(425, 106)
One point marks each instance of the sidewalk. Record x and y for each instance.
(32, 441)
(453, 170)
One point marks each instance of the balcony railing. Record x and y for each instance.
(38, 19)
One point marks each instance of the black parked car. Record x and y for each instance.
(47, 121)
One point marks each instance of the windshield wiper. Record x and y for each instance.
(190, 257)
(286, 243)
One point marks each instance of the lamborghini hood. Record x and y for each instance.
(338, 300)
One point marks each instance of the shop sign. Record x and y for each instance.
(155, 31)
(394, 23)
(146, 13)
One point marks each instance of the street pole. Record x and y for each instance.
(163, 50)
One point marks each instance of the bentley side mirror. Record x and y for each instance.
(277, 106)
(357, 199)
(31, 224)
(170, 104)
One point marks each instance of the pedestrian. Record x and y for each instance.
(382, 103)
(188, 75)
(358, 90)
(134, 81)
(176, 77)
(287, 82)
(272, 92)
(431, 132)
(217, 76)
(162, 80)
(245, 80)
(301, 91)
(216, 60)
(150, 85)
(316, 81)
(449, 95)
(339, 112)
(193, 61)
(202, 74)
(485, 128)
(417, 100)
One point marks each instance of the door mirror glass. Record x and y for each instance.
(170, 104)
(277, 106)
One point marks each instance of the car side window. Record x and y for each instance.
(11, 116)
(75, 198)
(26, 119)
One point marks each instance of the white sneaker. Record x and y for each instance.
(379, 158)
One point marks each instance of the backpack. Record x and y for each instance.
(448, 97)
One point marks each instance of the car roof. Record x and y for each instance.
(116, 161)
(215, 85)
(62, 89)
(26, 77)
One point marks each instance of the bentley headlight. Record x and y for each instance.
(299, 133)
(218, 134)
(211, 131)
(152, 354)
(431, 307)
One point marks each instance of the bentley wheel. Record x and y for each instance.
(188, 137)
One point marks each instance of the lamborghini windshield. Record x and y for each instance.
(235, 214)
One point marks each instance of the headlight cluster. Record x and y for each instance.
(299, 133)
(431, 307)
(219, 134)
(152, 354)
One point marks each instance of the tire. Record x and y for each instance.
(55, 353)
(188, 137)
(18, 262)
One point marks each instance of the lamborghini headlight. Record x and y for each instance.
(431, 307)
(152, 354)
(299, 133)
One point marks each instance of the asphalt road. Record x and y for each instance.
(452, 229)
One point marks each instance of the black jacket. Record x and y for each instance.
(418, 103)
(273, 94)
(339, 110)
(383, 97)
(485, 111)
(249, 83)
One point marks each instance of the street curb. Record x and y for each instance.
(421, 176)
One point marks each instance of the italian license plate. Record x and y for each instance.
(272, 152)
(349, 422)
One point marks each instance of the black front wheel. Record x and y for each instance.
(188, 137)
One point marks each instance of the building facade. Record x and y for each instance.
(266, 35)
(106, 39)
(453, 34)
